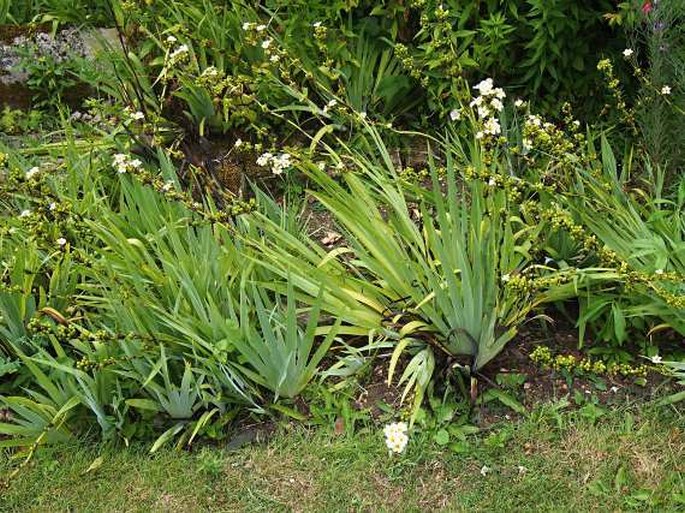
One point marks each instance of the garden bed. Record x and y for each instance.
(411, 243)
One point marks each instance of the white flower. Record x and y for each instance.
(397, 442)
(362, 115)
(266, 43)
(274, 58)
(455, 114)
(247, 25)
(52, 206)
(484, 470)
(211, 72)
(34, 171)
(534, 120)
(25, 213)
(499, 93)
(492, 182)
(238, 143)
(261, 28)
(479, 135)
(330, 105)
(123, 163)
(321, 164)
(478, 100)
(396, 438)
(519, 103)
(395, 427)
(179, 52)
(492, 127)
(527, 144)
(61, 241)
(666, 90)
(171, 39)
(279, 163)
(136, 116)
(316, 24)
(659, 271)
(484, 111)
(628, 52)
(484, 87)
(614, 389)
(264, 159)
(656, 359)
(167, 186)
(284, 160)
(497, 104)
(505, 278)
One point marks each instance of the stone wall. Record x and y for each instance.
(67, 43)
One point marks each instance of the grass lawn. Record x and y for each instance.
(627, 459)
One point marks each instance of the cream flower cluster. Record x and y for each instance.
(396, 436)
(278, 163)
(537, 130)
(132, 116)
(179, 52)
(124, 163)
(248, 25)
(329, 106)
(256, 34)
(488, 104)
(32, 173)
(211, 73)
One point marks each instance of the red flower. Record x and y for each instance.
(647, 7)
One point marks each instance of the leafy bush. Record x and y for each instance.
(276, 348)
(144, 329)
(60, 10)
(647, 232)
(658, 59)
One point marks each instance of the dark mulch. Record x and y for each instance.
(540, 385)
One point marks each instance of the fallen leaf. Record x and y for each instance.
(339, 426)
(97, 463)
(331, 238)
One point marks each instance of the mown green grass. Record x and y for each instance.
(625, 460)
